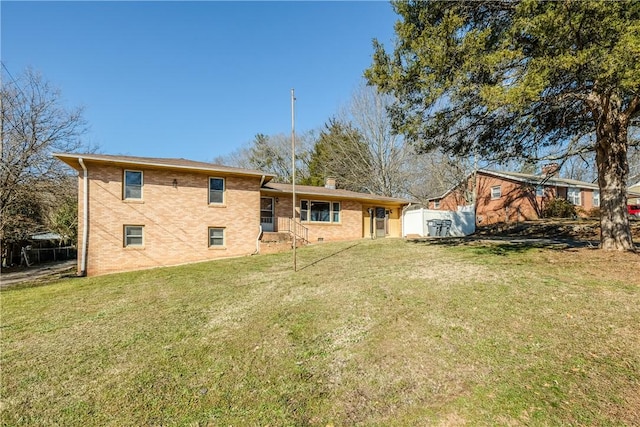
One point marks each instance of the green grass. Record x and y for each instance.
(380, 332)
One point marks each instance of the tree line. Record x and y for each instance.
(359, 148)
(36, 191)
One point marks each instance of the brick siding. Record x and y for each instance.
(175, 219)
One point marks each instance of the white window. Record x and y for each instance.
(336, 212)
(133, 235)
(574, 196)
(539, 191)
(132, 185)
(311, 210)
(496, 192)
(596, 198)
(216, 237)
(436, 204)
(216, 190)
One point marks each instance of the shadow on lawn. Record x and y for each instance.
(504, 246)
(328, 256)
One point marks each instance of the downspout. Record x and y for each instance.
(85, 218)
(258, 242)
(262, 180)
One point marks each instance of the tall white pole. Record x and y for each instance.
(293, 175)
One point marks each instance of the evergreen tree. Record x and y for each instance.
(521, 78)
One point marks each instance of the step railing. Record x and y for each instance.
(292, 227)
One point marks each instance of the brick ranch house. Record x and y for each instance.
(512, 196)
(139, 212)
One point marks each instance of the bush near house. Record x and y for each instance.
(559, 208)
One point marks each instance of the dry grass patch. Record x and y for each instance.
(366, 333)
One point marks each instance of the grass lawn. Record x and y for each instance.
(386, 332)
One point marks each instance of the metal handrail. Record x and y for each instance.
(285, 225)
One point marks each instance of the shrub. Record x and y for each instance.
(559, 208)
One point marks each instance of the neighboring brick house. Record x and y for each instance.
(512, 196)
(145, 212)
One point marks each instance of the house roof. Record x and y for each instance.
(312, 191)
(541, 179)
(164, 163)
(551, 181)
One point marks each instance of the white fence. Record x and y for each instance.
(415, 221)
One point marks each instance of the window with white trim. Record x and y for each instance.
(216, 237)
(335, 212)
(436, 204)
(539, 191)
(496, 192)
(318, 211)
(574, 196)
(133, 235)
(596, 198)
(216, 190)
(132, 185)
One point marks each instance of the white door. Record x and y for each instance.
(266, 213)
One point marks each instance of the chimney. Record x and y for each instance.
(330, 183)
(550, 169)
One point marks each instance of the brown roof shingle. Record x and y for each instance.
(308, 190)
(72, 160)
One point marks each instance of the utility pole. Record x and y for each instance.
(293, 176)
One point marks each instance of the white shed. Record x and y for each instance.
(416, 221)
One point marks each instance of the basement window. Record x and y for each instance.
(216, 237)
(133, 235)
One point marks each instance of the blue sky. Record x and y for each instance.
(195, 79)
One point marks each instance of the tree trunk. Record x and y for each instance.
(613, 170)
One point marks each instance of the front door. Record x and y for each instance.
(266, 213)
(381, 222)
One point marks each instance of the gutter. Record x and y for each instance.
(85, 218)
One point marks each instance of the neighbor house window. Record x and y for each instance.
(216, 237)
(596, 198)
(132, 185)
(311, 210)
(496, 192)
(573, 196)
(539, 191)
(216, 190)
(133, 235)
(436, 204)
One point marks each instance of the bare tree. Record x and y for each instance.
(434, 173)
(33, 124)
(388, 156)
(272, 153)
